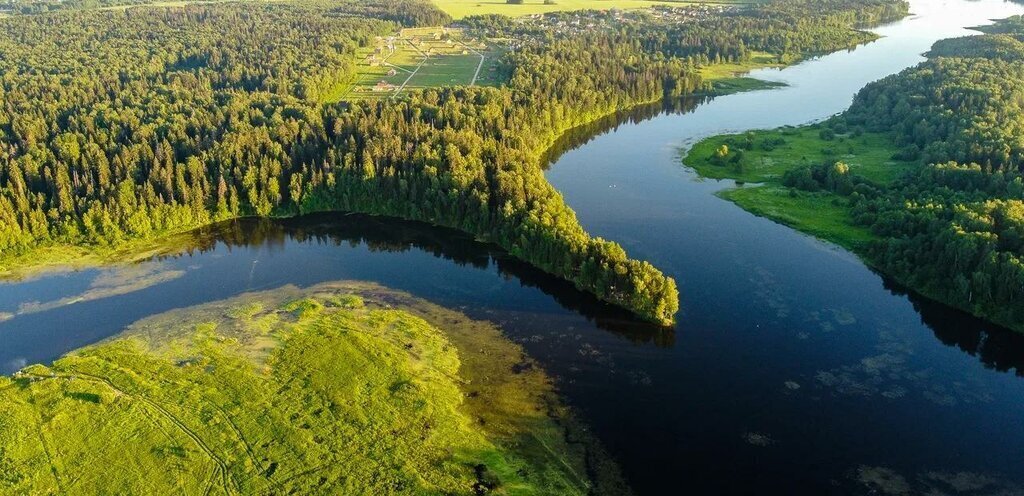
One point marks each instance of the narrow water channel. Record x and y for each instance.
(793, 366)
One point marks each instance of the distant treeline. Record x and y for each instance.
(953, 229)
(117, 125)
(789, 30)
(405, 12)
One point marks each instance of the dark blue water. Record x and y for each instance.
(793, 366)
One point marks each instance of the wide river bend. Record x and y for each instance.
(793, 366)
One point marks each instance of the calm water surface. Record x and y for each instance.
(793, 366)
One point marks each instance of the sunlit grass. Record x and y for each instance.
(59, 256)
(765, 156)
(868, 155)
(727, 78)
(327, 389)
(421, 58)
(822, 215)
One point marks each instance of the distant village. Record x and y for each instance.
(392, 62)
(576, 22)
(570, 24)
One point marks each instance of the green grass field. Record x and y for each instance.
(757, 60)
(767, 155)
(741, 84)
(868, 155)
(730, 77)
(422, 58)
(292, 391)
(462, 8)
(813, 213)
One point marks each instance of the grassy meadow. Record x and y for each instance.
(819, 214)
(778, 150)
(324, 389)
(763, 157)
(421, 58)
(731, 77)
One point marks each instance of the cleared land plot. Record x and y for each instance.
(422, 58)
(462, 8)
(445, 70)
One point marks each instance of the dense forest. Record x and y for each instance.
(125, 124)
(788, 30)
(953, 228)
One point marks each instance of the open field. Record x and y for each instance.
(816, 214)
(765, 156)
(462, 8)
(731, 77)
(422, 58)
(292, 391)
(868, 155)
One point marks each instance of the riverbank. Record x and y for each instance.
(492, 187)
(765, 157)
(728, 78)
(723, 79)
(54, 257)
(291, 389)
(762, 158)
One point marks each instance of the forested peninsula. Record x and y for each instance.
(938, 203)
(126, 125)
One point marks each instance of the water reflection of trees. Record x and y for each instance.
(998, 348)
(383, 234)
(581, 135)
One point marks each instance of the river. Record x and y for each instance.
(792, 367)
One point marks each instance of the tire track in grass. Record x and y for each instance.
(413, 74)
(226, 479)
(46, 447)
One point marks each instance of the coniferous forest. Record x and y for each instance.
(951, 228)
(127, 124)
(408, 247)
(954, 229)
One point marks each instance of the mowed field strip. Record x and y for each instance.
(423, 58)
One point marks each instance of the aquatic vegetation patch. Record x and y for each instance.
(887, 481)
(890, 374)
(295, 391)
(883, 480)
(758, 439)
